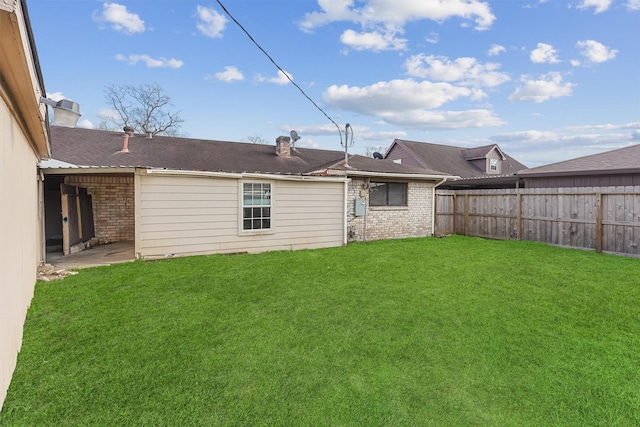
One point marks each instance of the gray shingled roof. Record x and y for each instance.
(99, 148)
(622, 160)
(90, 147)
(359, 163)
(453, 159)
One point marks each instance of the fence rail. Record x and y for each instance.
(605, 219)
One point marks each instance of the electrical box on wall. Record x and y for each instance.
(360, 207)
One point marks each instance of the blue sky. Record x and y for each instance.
(546, 80)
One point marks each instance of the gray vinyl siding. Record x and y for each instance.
(400, 153)
(178, 215)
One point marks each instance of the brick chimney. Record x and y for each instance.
(283, 146)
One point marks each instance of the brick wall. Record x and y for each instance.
(113, 205)
(391, 222)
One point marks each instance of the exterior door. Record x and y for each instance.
(77, 217)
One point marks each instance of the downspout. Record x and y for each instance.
(433, 209)
(366, 210)
(345, 213)
(41, 218)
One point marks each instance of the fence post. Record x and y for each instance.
(599, 228)
(466, 214)
(518, 215)
(455, 213)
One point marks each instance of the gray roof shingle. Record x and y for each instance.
(99, 148)
(455, 160)
(622, 160)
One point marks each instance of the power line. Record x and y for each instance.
(279, 68)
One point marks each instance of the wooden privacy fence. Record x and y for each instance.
(606, 219)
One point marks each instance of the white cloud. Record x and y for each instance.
(406, 103)
(120, 19)
(394, 95)
(598, 5)
(229, 74)
(150, 62)
(595, 52)
(466, 71)
(443, 120)
(109, 114)
(56, 96)
(535, 147)
(396, 13)
(85, 124)
(374, 41)
(496, 50)
(323, 129)
(381, 136)
(544, 53)
(608, 126)
(211, 23)
(280, 79)
(633, 4)
(434, 37)
(547, 87)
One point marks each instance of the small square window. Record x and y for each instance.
(388, 194)
(493, 165)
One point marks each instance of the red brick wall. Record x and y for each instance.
(113, 204)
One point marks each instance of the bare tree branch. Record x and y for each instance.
(144, 108)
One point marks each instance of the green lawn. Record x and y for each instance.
(445, 332)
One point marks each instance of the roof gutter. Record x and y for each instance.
(245, 175)
(83, 170)
(401, 175)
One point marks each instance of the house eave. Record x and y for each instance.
(22, 87)
(244, 175)
(87, 170)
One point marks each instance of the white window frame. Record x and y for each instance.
(497, 164)
(241, 207)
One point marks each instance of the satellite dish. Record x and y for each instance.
(294, 136)
(377, 155)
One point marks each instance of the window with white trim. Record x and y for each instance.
(256, 206)
(493, 165)
(388, 194)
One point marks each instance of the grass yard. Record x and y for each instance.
(445, 332)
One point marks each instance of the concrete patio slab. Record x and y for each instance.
(108, 254)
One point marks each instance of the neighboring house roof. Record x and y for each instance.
(621, 161)
(481, 152)
(455, 160)
(100, 149)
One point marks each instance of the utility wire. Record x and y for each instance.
(279, 68)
